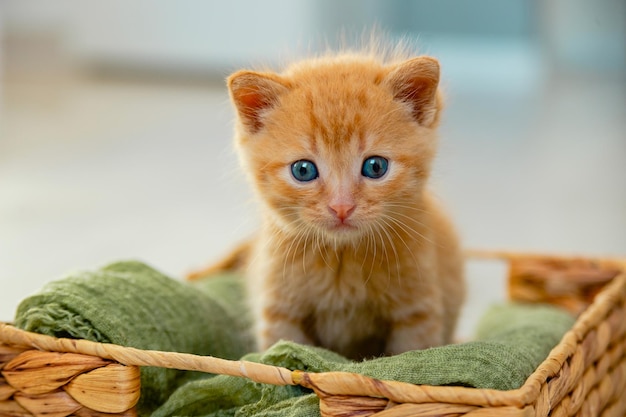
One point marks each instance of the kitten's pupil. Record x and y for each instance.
(374, 167)
(304, 171)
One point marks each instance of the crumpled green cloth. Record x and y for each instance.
(132, 304)
(512, 340)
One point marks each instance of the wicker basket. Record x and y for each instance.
(584, 375)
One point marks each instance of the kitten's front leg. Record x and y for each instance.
(418, 330)
(275, 324)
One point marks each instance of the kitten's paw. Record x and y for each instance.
(268, 335)
(404, 339)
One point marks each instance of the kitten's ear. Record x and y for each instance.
(415, 83)
(253, 93)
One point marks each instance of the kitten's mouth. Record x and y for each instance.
(343, 227)
(335, 228)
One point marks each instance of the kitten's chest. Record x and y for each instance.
(348, 306)
(341, 280)
(347, 279)
(344, 300)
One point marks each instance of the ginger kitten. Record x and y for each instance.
(353, 254)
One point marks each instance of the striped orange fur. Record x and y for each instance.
(360, 263)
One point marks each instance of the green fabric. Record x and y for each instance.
(131, 304)
(512, 341)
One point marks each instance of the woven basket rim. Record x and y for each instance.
(344, 383)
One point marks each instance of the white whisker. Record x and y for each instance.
(393, 247)
(322, 250)
(384, 251)
(397, 233)
(421, 235)
(370, 238)
(295, 242)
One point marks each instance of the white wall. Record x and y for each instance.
(187, 33)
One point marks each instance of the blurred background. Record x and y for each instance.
(115, 126)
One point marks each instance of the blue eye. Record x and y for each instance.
(374, 167)
(304, 171)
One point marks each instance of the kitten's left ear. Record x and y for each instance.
(253, 93)
(415, 83)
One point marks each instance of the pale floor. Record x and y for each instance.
(96, 170)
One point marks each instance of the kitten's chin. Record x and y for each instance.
(342, 232)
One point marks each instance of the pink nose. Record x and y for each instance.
(342, 211)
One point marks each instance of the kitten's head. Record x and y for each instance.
(339, 146)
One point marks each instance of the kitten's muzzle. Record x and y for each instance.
(342, 211)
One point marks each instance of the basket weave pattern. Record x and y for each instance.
(584, 375)
(52, 383)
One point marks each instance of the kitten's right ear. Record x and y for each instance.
(253, 93)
